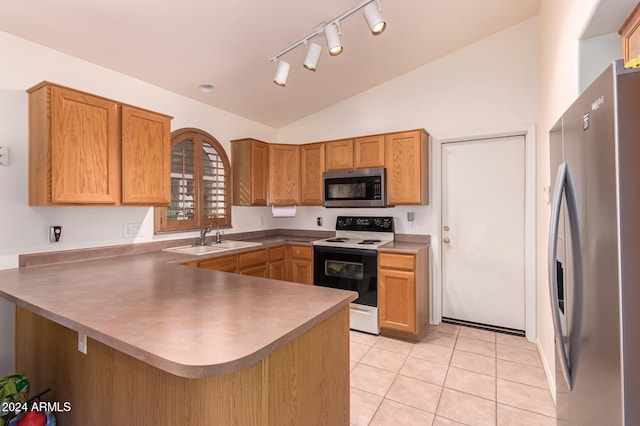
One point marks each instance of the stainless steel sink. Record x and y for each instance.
(212, 247)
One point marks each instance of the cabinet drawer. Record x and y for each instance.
(253, 258)
(276, 253)
(301, 252)
(224, 264)
(405, 262)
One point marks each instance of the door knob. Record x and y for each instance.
(446, 240)
(446, 228)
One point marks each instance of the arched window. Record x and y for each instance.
(200, 184)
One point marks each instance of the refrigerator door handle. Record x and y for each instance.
(560, 187)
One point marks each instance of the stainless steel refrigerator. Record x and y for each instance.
(594, 253)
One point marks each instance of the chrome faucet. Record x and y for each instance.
(203, 236)
(204, 231)
(218, 234)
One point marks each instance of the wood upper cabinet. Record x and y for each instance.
(250, 167)
(368, 152)
(284, 174)
(339, 154)
(73, 148)
(311, 167)
(631, 36)
(81, 151)
(403, 294)
(407, 164)
(146, 157)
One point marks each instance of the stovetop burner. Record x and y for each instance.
(337, 240)
(369, 241)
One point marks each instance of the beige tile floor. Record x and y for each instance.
(455, 375)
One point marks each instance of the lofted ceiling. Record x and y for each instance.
(177, 45)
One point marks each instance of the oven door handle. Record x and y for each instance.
(339, 250)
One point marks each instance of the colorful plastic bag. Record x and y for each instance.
(14, 391)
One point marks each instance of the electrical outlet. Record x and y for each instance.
(131, 230)
(55, 234)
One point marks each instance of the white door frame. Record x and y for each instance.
(530, 251)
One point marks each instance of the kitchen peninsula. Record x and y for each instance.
(170, 344)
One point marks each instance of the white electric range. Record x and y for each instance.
(349, 261)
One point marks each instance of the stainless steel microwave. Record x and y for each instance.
(354, 188)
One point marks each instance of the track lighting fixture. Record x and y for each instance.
(332, 34)
(313, 56)
(331, 31)
(282, 72)
(374, 18)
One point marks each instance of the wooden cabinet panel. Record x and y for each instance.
(300, 264)
(257, 271)
(277, 270)
(253, 258)
(396, 300)
(146, 157)
(284, 174)
(81, 151)
(224, 264)
(302, 271)
(73, 148)
(407, 164)
(311, 167)
(631, 36)
(368, 152)
(403, 294)
(250, 168)
(339, 154)
(277, 253)
(301, 252)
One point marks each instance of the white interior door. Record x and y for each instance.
(483, 231)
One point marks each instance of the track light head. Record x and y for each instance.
(282, 72)
(332, 34)
(313, 56)
(374, 18)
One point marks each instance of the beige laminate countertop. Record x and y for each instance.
(190, 322)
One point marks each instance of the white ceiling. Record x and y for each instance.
(178, 45)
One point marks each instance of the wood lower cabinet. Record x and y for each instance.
(85, 149)
(300, 262)
(250, 168)
(339, 154)
(407, 164)
(224, 264)
(290, 262)
(284, 175)
(368, 152)
(255, 263)
(312, 158)
(277, 263)
(403, 294)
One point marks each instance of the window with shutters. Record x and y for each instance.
(200, 184)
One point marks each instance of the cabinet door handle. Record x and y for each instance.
(446, 240)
